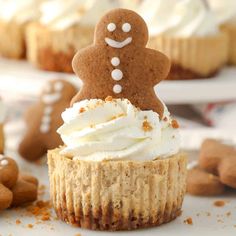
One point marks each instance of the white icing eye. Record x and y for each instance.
(126, 27)
(111, 27)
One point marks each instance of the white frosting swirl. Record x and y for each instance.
(183, 18)
(20, 11)
(98, 130)
(225, 10)
(61, 14)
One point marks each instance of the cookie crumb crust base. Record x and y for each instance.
(117, 195)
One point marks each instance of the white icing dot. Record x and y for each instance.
(44, 128)
(117, 88)
(48, 110)
(4, 162)
(126, 27)
(117, 74)
(46, 119)
(51, 98)
(115, 61)
(1, 156)
(58, 86)
(111, 27)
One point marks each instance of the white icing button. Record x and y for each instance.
(126, 27)
(58, 86)
(111, 27)
(117, 74)
(4, 162)
(44, 128)
(47, 110)
(115, 61)
(1, 156)
(46, 119)
(117, 88)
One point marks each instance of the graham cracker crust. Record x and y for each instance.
(96, 223)
(177, 72)
(50, 60)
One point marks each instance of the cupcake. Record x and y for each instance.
(226, 17)
(64, 27)
(14, 17)
(120, 167)
(187, 32)
(2, 115)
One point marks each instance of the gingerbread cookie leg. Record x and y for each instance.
(32, 147)
(6, 197)
(202, 183)
(24, 192)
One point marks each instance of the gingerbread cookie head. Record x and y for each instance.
(120, 28)
(8, 171)
(56, 91)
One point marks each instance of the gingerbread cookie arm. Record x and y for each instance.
(81, 61)
(32, 147)
(159, 65)
(23, 192)
(6, 197)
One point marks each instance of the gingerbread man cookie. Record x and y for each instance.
(15, 190)
(44, 118)
(119, 65)
(219, 159)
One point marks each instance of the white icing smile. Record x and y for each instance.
(116, 44)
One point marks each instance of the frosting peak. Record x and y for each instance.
(114, 129)
(20, 11)
(183, 18)
(60, 14)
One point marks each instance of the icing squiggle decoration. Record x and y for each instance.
(49, 99)
(115, 44)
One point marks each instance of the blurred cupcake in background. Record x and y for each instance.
(226, 16)
(64, 27)
(2, 116)
(188, 33)
(14, 17)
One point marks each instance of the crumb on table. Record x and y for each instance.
(188, 221)
(219, 203)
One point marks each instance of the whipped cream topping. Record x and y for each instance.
(2, 111)
(225, 11)
(114, 129)
(61, 14)
(183, 18)
(20, 11)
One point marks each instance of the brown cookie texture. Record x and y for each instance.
(8, 171)
(219, 159)
(23, 192)
(44, 118)
(119, 65)
(15, 189)
(202, 183)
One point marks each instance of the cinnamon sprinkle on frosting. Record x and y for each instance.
(146, 126)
